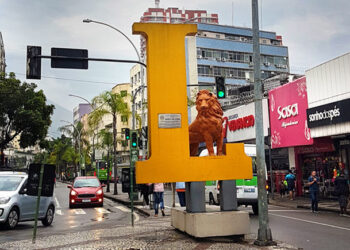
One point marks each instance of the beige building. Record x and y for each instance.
(107, 123)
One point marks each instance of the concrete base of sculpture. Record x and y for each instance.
(211, 223)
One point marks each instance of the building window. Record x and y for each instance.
(123, 93)
(124, 119)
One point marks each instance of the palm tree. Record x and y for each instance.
(106, 138)
(78, 134)
(113, 104)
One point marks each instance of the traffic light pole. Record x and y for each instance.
(134, 152)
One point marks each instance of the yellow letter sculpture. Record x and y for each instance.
(170, 159)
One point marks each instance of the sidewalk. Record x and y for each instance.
(304, 202)
(123, 198)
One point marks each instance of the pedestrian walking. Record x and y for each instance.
(290, 178)
(313, 183)
(181, 193)
(342, 191)
(158, 192)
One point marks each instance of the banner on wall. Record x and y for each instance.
(239, 123)
(287, 108)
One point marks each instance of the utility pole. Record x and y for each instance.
(264, 231)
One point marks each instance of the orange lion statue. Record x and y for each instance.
(207, 127)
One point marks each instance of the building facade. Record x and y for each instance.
(80, 111)
(227, 51)
(328, 117)
(2, 55)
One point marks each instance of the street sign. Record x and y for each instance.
(33, 62)
(78, 58)
(48, 180)
(98, 154)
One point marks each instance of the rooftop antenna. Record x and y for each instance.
(232, 13)
(157, 3)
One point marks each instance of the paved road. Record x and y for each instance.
(72, 220)
(306, 230)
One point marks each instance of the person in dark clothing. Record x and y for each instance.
(144, 189)
(342, 190)
(313, 183)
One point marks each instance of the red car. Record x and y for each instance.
(86, 190)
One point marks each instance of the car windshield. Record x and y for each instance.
(10, 183)
(86, 183)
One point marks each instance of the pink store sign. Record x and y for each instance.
(287, 107)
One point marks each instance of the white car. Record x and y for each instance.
(16, 205)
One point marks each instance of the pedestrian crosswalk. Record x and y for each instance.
(80, 211)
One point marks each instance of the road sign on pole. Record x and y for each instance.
(72, 61)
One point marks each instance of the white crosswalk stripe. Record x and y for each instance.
(102, 210)
(59, 212)
(79, 211)
(124, 209)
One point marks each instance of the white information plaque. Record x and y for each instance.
(169, 120)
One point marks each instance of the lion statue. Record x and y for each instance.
(207, 127)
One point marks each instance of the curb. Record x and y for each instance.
(320, 208)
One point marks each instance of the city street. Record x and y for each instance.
(297, 227)
(71, 220)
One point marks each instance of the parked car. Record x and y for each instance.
(17, 206)
(86, 190)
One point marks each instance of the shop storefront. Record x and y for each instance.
(328, 118)
(287, 107)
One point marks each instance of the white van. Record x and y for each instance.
(247, 190)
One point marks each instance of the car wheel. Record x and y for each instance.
(255, 209)
(50, 214)
(211, 199)
(12, 218)
(71, 205)
(100, 205)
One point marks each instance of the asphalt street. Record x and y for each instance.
(72, 220)
(297, 227)
(301, 228)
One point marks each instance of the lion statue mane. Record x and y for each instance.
(207, 127)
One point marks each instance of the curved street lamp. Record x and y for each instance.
(79, 146)
(139, 57)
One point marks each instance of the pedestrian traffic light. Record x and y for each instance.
(33, 62)
(220, 87)
(134, 139)
(127, 133)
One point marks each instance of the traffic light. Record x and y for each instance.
(134, 139)
(127, 133)
(33, 62)
(220, 87)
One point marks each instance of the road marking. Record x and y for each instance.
(102, 210)
(312, 222)
(176, 205)
(286, 210)
(79, 211)
(57, 203)
(124, 209)
(59, 212)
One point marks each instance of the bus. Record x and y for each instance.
(100, 171)
(247, 189)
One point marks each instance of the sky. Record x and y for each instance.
(314, 31)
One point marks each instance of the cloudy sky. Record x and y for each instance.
(314, 30)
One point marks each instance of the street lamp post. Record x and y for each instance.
(138, 55)
(93, 139)
(79, 138)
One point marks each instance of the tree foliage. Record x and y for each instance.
(23, 112)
